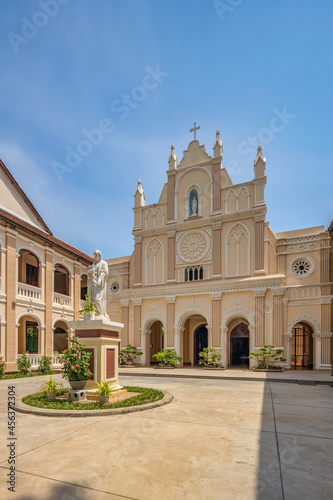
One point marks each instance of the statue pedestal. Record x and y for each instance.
(101, 338)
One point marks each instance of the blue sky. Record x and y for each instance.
(231, 65)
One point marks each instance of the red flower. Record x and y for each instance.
(72, 368)
(74, 354)
(78, 366)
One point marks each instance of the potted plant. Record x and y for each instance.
(50, 387)
(75, 361)
(104, 391)
(128, 354)
(266, 358)
(89, 308)
(211, 359)
(167, 358)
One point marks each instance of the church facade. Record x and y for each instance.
(207, 270)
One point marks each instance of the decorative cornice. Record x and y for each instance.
(137, 301)
(171, 234)
(217, 225)
(170, 299)
(216, 295)
(138, 239)
(260, 292)
(278, 291)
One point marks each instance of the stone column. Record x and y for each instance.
(77, 288)
(217, 254)
(259, 242)
(171, 256)
(179, 342)
(138, 261)
(48, 299)
(170, 339)
(125, 320)
(171, 190)
(286, 344)
(224, 340)
(260, 317)
(277, 316)
(216, 319)
(281, 256)
(11, 290)
(137, 322)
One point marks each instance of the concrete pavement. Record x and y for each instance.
(218, 440)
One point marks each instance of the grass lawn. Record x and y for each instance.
(30, 374)
(39, 399)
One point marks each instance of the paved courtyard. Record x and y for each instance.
(218, 440)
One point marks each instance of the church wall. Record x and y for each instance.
(237, 198)
(246, 256)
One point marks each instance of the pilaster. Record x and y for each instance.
(171, 190)
(171, 255)
(260, 317)
(216, 318)
(125, 320)
(277, 316)
(137, 322)
(217, 254)
(48, 297)
(259, 243)
(138, 261)
(11, 285)
(170, 338)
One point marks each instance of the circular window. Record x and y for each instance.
(302, 267)
(114, 288)
(193, 246)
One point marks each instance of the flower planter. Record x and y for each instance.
(104, 400)
(158, 367)
(77, 385)
(51, 395)
(272, 370)
(214, 368)
(87, 316)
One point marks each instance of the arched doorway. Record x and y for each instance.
(200, 342)
(60, 334)
(302, 347)
(28, 335)
(240, 345)
(156, 340)
(194, 339)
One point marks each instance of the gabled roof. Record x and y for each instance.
(24, 197)
(48, 238)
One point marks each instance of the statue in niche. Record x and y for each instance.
(98, 274)
(194, 206)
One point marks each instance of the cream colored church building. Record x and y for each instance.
(208, 270)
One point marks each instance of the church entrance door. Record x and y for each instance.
(156, 340)
(200, 342)
(239, 346)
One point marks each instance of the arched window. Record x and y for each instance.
(28, 268)
(193, 273)
(84, 286)
(61, 280)
(193, 203)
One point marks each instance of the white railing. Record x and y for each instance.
(29, 292)
(62, 300)
(35, 359)
(55, 359)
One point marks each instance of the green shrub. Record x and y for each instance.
(45, 365)
(128, 354)
(23, 364)
(210, 358)
(2, 367)
(167, 357)
(267, 356)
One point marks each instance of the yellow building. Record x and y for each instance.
(207, 270)
(42, 280)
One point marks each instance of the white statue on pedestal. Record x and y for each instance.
(194, 206)
(98, 274)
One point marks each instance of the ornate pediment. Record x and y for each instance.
(194, 155)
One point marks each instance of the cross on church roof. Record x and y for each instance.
(195, 130)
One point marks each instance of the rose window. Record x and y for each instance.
(114, 288)
(193, 246)
(302, 267)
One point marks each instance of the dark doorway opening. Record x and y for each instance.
(239, 346)
(200, 342)
(301, 347)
